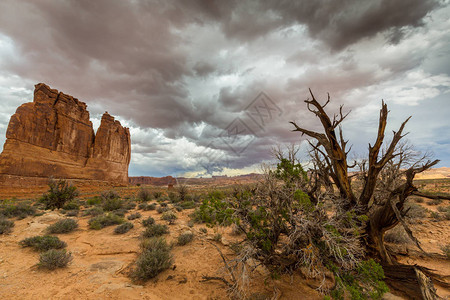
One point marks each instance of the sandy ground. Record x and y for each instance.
(102, 260)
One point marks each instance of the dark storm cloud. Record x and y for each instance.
(178, 72)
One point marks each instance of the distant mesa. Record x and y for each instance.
(53, 136)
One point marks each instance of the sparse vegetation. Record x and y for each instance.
(111, 200)
(60, 192)
(157, 194)
(147, 222)
(71, 206)
(63, 226)
(105, 220)
(21, 210)
(185, 238)
(134, 216)
(397, 235)
(154, 259)
(169, 216)
(144, 195)
(43, 243)
(146, 206)
(162, 209)
(155, 230)
(94, 211)
(5, 225)
(54, 259)
(446, 250)
(123, 228)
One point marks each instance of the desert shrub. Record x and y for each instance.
(435, 202)
(155, 230)
(111, 200)
(63, 226)
(19, 210)
(134, 216)
(154, 259)
(185, 238)
(163, 204)
(169, 216)
(129, 205)
(43, 243)
(417, 199)
(162, 209)
(217, 237)
(5, 225)
(60, 192)
(436, 216)
(53, 259)
(203, 230)
(123, 228)
(172, 197)
(415, 211)
(157, 195)
(190, 223)
(146, 206)
(178, 208)
(182, 191)
(72, 213)
(120, 212)
(445, 210)
(144, 195)
(96, 200)
(94, 211)
(214, 210)
(105, 220)
(71, 206)
(397, 235)
(147, 222)
(365, 282)
(188, 204)
(446, 250)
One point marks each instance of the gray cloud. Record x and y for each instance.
(178, 72)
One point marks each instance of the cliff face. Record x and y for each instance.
(53, 136)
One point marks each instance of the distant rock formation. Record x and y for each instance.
(53, 136)
(159, 181)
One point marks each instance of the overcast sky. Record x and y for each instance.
(186, 76)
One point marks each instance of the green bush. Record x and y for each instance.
(144, 195)
(188, 204)
(111, 200)
(43, 243)
(154, 259)
(19, 210)
(169, 216)
(134, 216)
(53, 259)
(185, 238)
(94, 211)
(60, 192)
(96, 200)
(149, 221)
(72, 213)
(63, 226)
(217, 237)
(105, 220)
(157, 195)
(162, 209)
(5, 225)
(71, 206)
(129, 205)
(146, 206)
(123, 228)
(120, 212)
(415, 211)
(155, 230)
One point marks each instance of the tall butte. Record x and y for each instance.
(53, 136)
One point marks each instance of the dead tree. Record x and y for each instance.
(385, 209)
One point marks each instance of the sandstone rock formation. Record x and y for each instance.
(53, 136)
